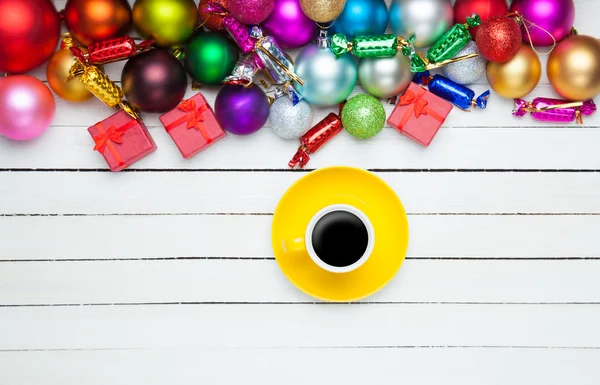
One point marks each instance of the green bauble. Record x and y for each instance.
(210, 57)
(363, 116)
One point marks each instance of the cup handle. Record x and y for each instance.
(293, 245)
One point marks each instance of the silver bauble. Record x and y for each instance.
(428, 20)
(289, 121)
(327, 80)
(466, 71)
(385, 77)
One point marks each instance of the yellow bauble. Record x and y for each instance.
(322, 11)
(516, 77)
(574, 68)
(57, 72)
(170, 23)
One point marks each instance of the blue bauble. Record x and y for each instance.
(327, 80)
(362, 18)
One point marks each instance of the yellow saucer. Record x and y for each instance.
(341, 185)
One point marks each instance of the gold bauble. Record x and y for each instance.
(322, 11)
(57, 72)
(170, 23)
(574, 68)
(516, 77)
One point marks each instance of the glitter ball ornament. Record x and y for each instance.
(251, 12)
(289, 121)
(499, 39)
(363, 116)
(466, 71)
(322, 11)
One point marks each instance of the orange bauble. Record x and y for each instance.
(96, 20)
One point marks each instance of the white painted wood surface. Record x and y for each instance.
(165, 274)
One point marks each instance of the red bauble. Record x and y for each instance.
(484, 8)
(29, 33)
(499, 39)
(214, 22)
(96, 20)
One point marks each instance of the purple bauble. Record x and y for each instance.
(242, 110)
(290, 27)
(555, 16)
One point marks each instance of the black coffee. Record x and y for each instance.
(340, 238)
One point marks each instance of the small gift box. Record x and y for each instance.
(122, 140)
(192, 125)
(419, 114)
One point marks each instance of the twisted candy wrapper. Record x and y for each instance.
(457, 94)
(372, 46)
(315, 138)
(244, 71)
(554, 110)
(453, 41)
(238, 31)
(112, 50)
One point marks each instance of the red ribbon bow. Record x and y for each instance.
(194, 117)
(112, 134)
(420, 105)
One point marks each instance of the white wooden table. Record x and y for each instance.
(164, 274)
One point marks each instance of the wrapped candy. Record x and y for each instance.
(371, 46)
(554, 110)
(112, 50)
(315, 138)
(244, 71)
(453, 41)
(101, 86)
(461, 96)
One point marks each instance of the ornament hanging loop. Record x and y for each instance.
(527, 25)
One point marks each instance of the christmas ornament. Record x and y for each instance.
(122, 140)
(363, 116)
(316, 138)
(290, 27)
(457, 94)
(466, 71)
(384, 77)
(250, 12)
(101, 86)
(193, 126)
(212, 21)
(154, 81)
(29, 32)
(362, 18)
(547, 21)
(57, 73)
(574, 68)
(428, 20)
(290, 121)
(170, 23)
(419, 114)
(554, 110)
(499, 39)
(95, 20)
(452, 41)
(518, 76)
(484, 8)
(111, 50)
(242, 110)
(26, 107)
(322, 11)
(210, 57)
(327, 80)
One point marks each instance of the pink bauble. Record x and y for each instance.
(290, 27)
(250, 12)
(26, 107)
(555, 16)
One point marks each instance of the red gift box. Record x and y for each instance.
(192, 125)
(122, 140)
(419, 114)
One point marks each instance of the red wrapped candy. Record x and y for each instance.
(315, 138)
(192, 125)
(122, 140)
(112, 50)
(419, 114)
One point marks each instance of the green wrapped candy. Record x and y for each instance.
(453, 41)
(371, 46)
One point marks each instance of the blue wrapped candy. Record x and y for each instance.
(457, 94)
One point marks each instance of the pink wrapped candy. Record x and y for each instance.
(554, 110)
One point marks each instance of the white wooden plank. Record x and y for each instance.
(243, 281)
(304, 366)
(256, 192)
(248, 235)
(272, 326)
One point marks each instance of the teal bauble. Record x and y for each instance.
(327, 80)
(363, 116)
(362, 18)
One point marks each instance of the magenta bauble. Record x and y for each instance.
(250, 12)
(27, 107)
(555, 16)
(290, 27)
